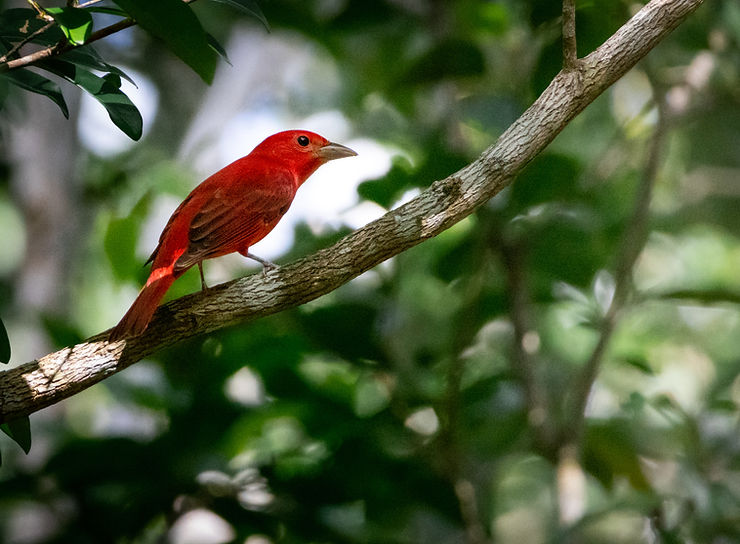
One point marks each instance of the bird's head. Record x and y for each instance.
(302, 151)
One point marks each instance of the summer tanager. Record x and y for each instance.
(228, 212)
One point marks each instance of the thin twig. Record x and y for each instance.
(25, 40)
(449, 440)
(63, 47)
(571, 482)
(570, 51)
(42, 14)
(535, 395)
(632, 244)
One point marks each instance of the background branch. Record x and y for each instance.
(571, 478)
(34, 385)
(632, 245)
(526, 368)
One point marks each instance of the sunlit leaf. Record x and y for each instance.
(175, 23)
(31, 81)
(120, 241)
(76, 23)
(20, 431)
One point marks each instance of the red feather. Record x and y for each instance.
(229, 212)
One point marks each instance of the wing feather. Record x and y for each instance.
(226, 223)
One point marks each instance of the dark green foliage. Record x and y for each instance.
(174, 22)
(20, 431)
(31, 81)
(120, 241)
(452, 58)
(105, 90)
(19, 23)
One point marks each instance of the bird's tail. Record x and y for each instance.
(140, 314)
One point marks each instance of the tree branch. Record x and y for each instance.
(37, 384)
(570, 51)
(13, 50)
(571, 480)
(632, 243)
(60, 47)
(513, 254)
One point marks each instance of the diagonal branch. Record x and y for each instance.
(13, 50)
(37, 384)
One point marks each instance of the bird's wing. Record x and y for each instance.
(229, 222)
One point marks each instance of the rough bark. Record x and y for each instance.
(40, 383)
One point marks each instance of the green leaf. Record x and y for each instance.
(105, 90)
(610, 452)
(36, 83)
(218, 48)
(249, 7)
(20, 431)
(390, 187)
(89, 58)
(61, 331)
(4, 344)
(175, 23)
(639, 362)
(76, 23)
(107, 10)
(120, 240)
(449, 59)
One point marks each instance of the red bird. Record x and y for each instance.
(228, 212)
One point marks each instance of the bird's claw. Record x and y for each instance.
(267, 266)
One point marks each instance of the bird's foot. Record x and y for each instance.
(203, 286)
(266, 265)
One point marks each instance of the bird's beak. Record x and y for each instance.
(333, 151)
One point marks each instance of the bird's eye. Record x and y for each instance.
(303, 140)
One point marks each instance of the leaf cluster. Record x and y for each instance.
(58, 34)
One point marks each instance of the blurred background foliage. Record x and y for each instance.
(395, 409)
